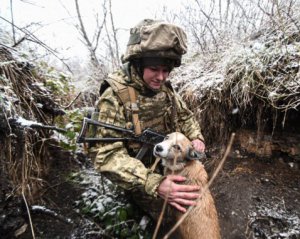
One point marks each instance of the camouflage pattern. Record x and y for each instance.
(152, 38)
(116, 160)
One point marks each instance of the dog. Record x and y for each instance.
(179, 157)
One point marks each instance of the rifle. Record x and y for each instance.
(148, 137)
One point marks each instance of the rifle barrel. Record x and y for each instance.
(108, 126)
(96, 140)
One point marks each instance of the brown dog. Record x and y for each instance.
(178, 156)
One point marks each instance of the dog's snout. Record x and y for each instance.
(159, 148)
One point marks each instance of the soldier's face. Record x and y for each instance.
(155, 76)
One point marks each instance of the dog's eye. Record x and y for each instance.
(177, 147)
(167, 137)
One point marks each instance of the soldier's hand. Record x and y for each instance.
(178, 195)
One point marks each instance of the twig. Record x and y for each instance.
(99, 31)
(29, 216)
(12, 20)
(68, 106)
(159, 221)
(206, 187)
(118, 224)
(88, 43)
(33, 38)
(114, 33)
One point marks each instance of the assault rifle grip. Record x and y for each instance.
(151, 137)
(83, 131)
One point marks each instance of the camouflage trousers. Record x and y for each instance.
(150, 205)
(153, 207)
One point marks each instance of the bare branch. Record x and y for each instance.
(82, 28)
(109, 45)
(29, 215)
(19, 41)
(208, 17)
(92, 50)
(98, 32)
(12, 20)
(69, 105)
(114, 33)
(33, 38)
(227, 11)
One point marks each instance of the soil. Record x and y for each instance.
(255, 198)
(258, 198)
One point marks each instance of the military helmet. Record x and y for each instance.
(156, 39)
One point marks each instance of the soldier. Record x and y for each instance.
(139, 96)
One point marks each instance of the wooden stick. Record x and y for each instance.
(29, 216)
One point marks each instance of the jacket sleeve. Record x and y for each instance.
(112, 159)
(187, 121)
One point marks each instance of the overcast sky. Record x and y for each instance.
(56, 18)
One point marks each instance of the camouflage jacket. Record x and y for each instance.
(116, 160)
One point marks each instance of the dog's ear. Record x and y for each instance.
(195, 155)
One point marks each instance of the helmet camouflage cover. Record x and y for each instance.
(153, 38)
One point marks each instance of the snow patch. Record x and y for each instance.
(25, 122)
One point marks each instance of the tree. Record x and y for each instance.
(111, 60)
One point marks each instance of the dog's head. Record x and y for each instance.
(176, 149)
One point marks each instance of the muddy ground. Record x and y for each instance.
(255, 198)
(258, 198)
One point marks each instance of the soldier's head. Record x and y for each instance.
(155, 48)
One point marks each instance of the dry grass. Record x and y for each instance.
(24, 153)
(254, 83)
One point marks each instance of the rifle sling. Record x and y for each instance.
(135, 111)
